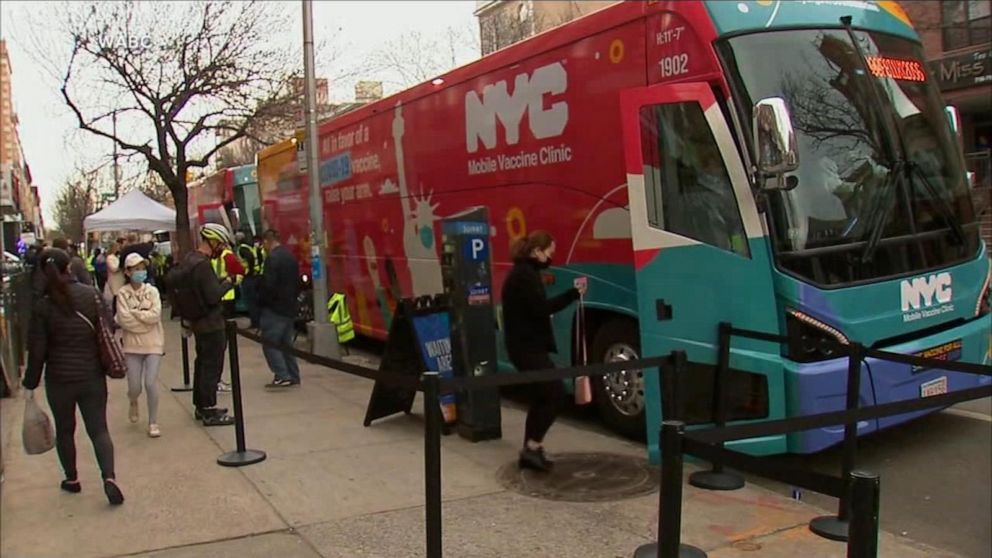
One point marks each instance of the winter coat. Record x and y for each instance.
(527, 310)
(61, 343)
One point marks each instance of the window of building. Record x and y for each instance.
(966, 23)
(687, 188)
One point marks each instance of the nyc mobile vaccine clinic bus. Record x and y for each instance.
(754, 162)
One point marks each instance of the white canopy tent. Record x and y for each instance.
(133, 212)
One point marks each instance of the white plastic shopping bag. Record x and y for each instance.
(37, 433)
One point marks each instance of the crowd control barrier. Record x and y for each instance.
(186, 386)
(241, 456)
(858, 491)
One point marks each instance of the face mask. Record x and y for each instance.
(138, 277)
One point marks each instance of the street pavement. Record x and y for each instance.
(333, 488)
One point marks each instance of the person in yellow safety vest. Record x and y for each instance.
(224, 265)
(338, 314)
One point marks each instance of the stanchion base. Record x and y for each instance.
(716, 480)
(183, 388)
(241, 458)
(650, 550)
(830, 527)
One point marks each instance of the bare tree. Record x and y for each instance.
(75, 201)
(414, 57)
(162, 80)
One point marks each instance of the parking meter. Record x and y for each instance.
(466, 271)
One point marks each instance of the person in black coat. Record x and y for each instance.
(63, 347)
(530, 341)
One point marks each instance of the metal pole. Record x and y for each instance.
(241, 456)
(432, 463)
(323, 336)
(836, 527)
(185, 354)
(117, 174)
(866, 492)
(669, 543)
(716, 478)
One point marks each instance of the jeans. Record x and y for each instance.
(207, 366)
(143, 369)
(278, 329)
(546, 398)
(91, 398)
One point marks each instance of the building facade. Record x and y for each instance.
(504, 22)
(20, 202)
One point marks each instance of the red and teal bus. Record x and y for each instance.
(762, 163)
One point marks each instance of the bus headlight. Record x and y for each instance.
(811, 340)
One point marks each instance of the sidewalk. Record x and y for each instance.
(333, 488)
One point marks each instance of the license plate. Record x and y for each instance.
(934, 387)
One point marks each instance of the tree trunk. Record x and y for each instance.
(183, 235)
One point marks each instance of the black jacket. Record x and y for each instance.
(527, 310)
(209, 286)
(63, 344)
(280, 285)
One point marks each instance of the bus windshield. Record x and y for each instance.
(878, 163)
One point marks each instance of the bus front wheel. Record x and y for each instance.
(620, 395)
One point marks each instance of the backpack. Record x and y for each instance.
(184, 294)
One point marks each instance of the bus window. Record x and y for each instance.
(687, 186)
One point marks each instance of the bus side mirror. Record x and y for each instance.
(776, 144)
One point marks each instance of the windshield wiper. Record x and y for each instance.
(879, 213)
(940, 203)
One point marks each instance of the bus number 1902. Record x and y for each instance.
(674, 65)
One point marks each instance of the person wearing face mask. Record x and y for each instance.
(208, 329)
(139, 314)
(527, 312)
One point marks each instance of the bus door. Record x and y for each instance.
(700, 256)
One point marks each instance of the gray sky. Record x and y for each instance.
(53, 146)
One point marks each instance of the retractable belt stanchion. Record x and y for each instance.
(432, 463)
(669, 543)
(716, 478)
(863, 533)
(241, 456)
(185, 350)
(836, 527)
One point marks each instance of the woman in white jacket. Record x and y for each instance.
(139, 313)
(115, 277)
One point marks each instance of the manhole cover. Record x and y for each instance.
(584, 477)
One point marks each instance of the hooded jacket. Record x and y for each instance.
(139, 313)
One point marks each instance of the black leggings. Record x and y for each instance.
(91, 397)
(546, 398)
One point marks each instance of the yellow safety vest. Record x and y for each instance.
(89, 264)
(338, 314)
(220, 269)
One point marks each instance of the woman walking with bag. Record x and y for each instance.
(527, 314)
(139, 313)
(64, 344)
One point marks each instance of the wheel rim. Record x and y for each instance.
(624, 389)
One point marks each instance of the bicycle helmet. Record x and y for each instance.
(213, 231)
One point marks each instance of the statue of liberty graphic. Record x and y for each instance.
(418, 224)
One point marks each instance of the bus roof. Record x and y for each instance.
(732, 17)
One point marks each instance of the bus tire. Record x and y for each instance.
(619, 396)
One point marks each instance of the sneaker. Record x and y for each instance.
(218, 419)
(223, 387)
(153, 431)
(535, 460)
(201, 414)
(132, 413)
(281, 384)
